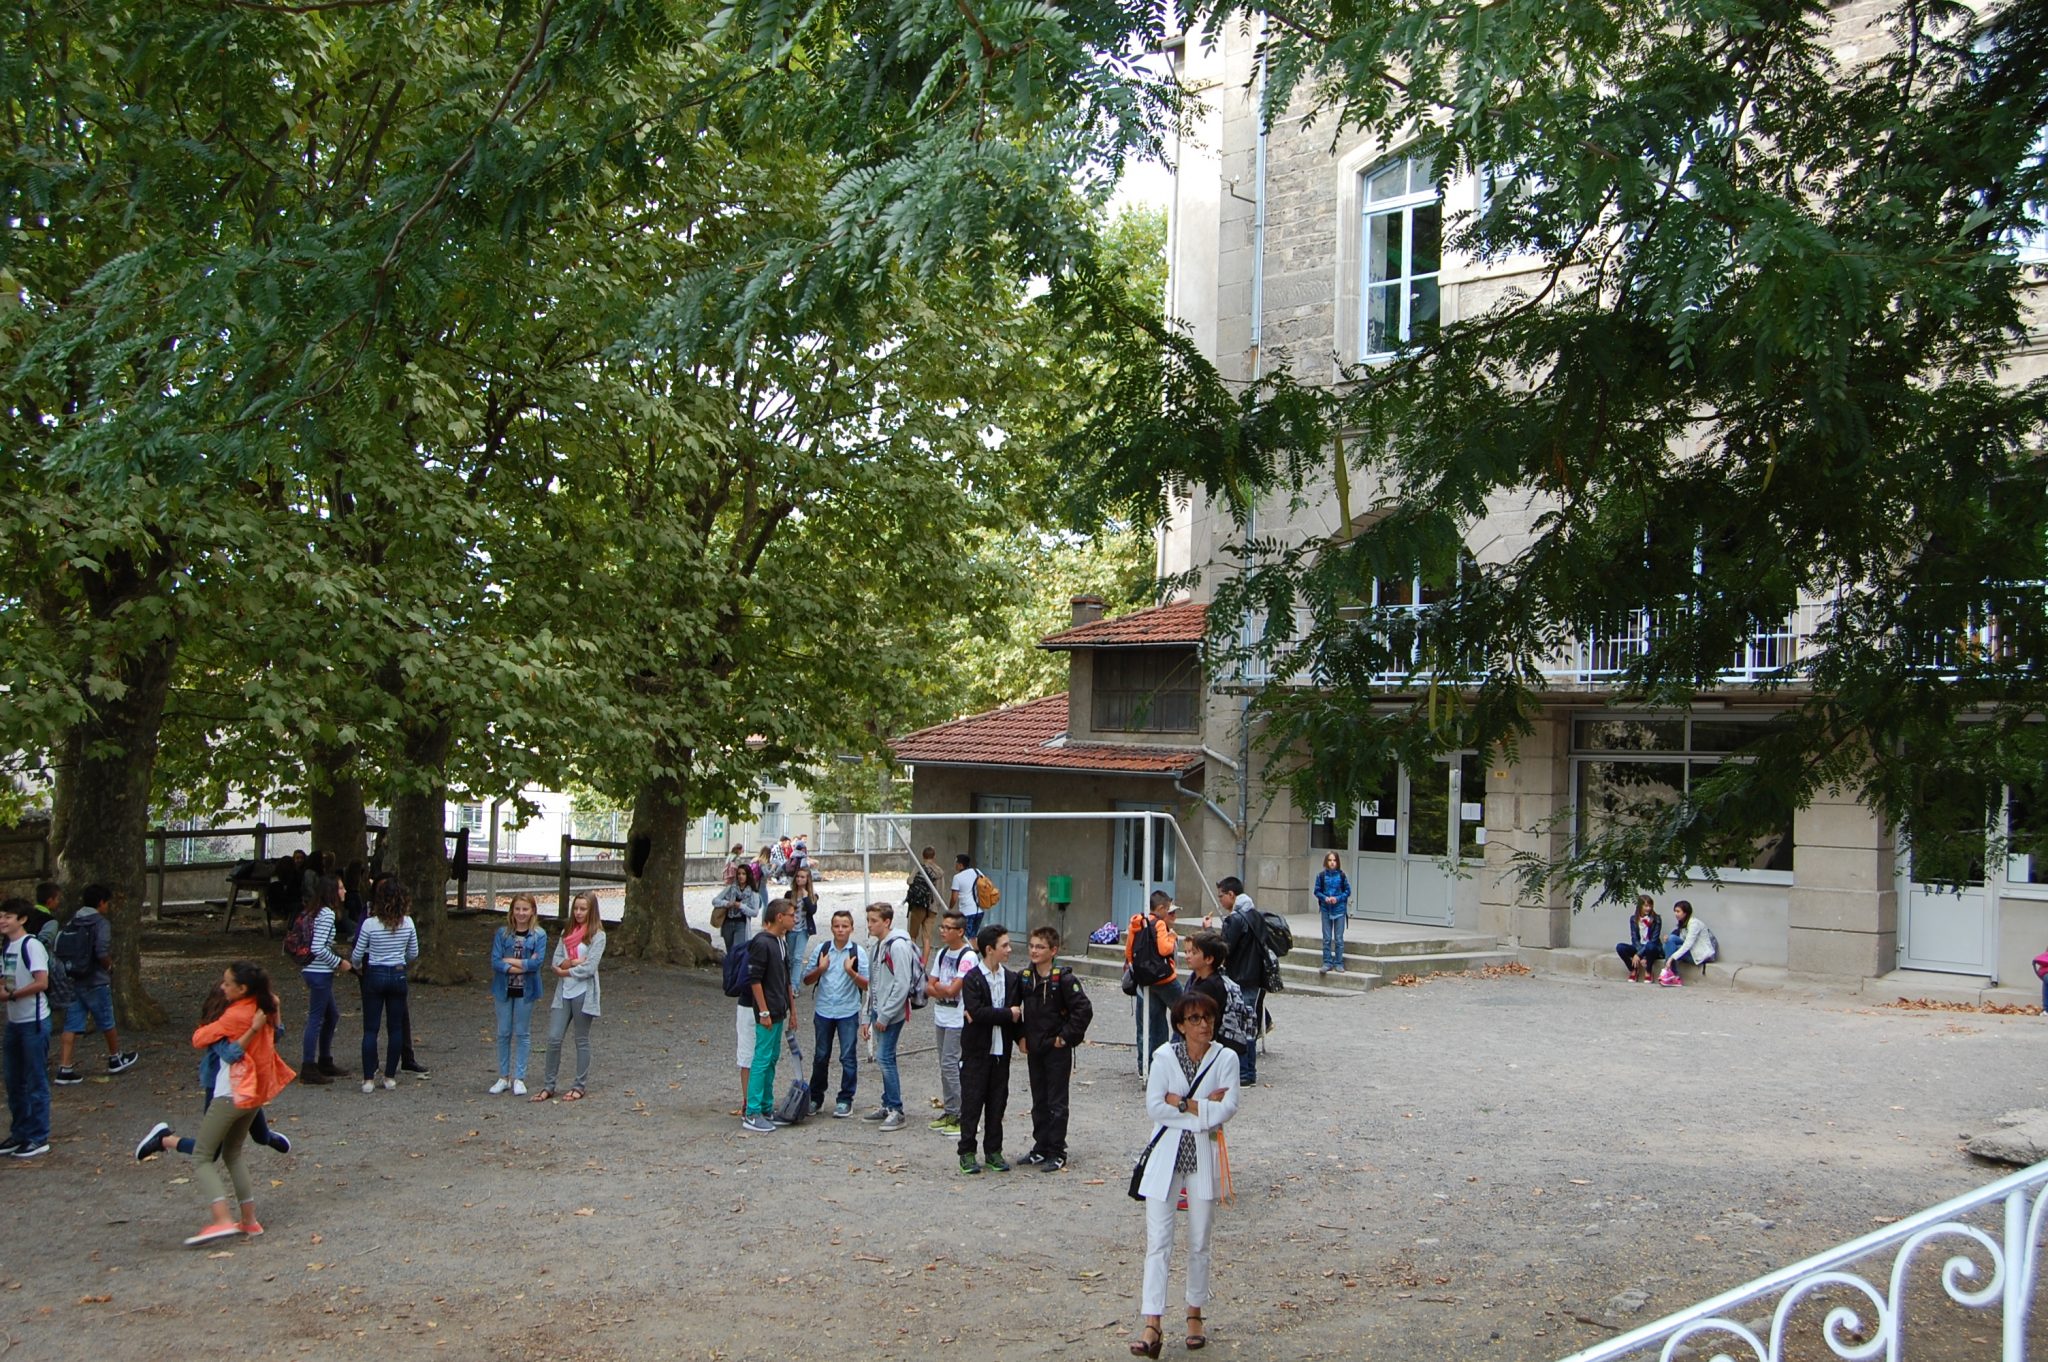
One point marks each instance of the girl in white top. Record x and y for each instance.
(386, 944)
(576, 994)
(1190, 1092)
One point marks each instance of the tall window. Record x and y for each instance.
(1403, 237)
(1146, 690)
(1620, 764)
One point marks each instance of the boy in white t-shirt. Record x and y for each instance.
(24, 984)
(961, 893)
(951, 963)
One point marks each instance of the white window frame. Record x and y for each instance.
(1402, 209)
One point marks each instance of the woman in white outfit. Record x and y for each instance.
(1191, 1092)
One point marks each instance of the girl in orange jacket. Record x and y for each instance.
(249, 1020)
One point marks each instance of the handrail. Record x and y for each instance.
(2006, 1270)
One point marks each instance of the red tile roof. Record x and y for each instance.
(1180, 622)
(1033, 735)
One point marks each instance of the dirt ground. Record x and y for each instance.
(1470, 1168)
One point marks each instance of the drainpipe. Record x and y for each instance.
(1242, 827)
(1207, 803)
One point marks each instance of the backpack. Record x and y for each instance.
(1279, 936)
(986, 895)
(1148, 966)
(1105, 935)
(298, 938)
(919, 892)
(59, 992)
(1710, 949)
(1266, 935)
(1240, 1024)
(737, 985)
(919, 994)
(74, 950)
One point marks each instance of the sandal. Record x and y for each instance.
(544, 1095)
(1143, 1348)
(1198, 1337)
(573, 1095)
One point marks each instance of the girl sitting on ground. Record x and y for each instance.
(1689, 940)
(1645, 944)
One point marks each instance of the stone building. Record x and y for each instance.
(1287, 249)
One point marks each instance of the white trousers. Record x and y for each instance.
(1159, 1214)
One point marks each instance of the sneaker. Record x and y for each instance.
(968, 1167)
(1671, 981)
(12, 1143)
(66, 1076)
(416, 1070)
(314, 1077)
(369, 1085)
(893, 1121)
(878, 1114)
(213, 1234)
(1053, 1164)
(251, 1229)
(151, 1144)
(32, 1151)
(759, 1125)
(390, 1083)
(817, 1105)
(519, 1087)
(842, 1110)
(121, 1063)
(281, 1142)
(779, 1123)
(996, 1163)
(947, 1125)
(502, 1085)
(1031, 1160)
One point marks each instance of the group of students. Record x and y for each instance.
(1648, 948)
(53, 973)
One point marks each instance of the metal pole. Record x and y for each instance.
(1457, 827)
(568, 849)
(490, 860)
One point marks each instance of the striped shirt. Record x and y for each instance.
(380, 945)
(324, 960)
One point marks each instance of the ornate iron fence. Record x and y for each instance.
(1991, 1238)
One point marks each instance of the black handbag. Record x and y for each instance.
(1138, 1168)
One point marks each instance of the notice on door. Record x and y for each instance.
(1383, 828)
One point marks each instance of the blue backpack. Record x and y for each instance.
(736, 982)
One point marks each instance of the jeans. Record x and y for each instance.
(1157, 999)
(1333, 938)
(949, 1069)
(1248, 1055)
(322, 1014)
(28, 1081)
(515, 1034)
(564, 1013)
(94, 1000)
(970, 919)
(793, 947)
(823, 1029)
(383, 1001)
(885, 1060)
(761, 1077)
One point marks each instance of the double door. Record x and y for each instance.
(1002, 851)
(1400, 841)
(1128, 879)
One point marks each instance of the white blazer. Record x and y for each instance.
(1166, 1081)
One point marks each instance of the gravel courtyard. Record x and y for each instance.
(1472, 1167)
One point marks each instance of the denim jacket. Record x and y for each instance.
(532, 949)
(219, 1053)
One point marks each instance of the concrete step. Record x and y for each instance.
(1298, 970)
(1439, 962)
(1100, 970)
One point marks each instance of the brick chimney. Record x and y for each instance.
(1087, 609)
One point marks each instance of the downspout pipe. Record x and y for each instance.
(1242, 827)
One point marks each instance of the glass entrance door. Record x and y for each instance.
(1002, 851)
(1947, 918)
(1400, 841)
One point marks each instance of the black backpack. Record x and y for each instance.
(1148, 966)
(75, 949)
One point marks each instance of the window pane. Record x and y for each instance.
(1376, 816)
(1422, 310)
(1382, 319)
(1472, 807)
(1429, 808)
(1426, 238)
(1323, 836)
(1382, 247)
(1770, 851)
(1949, 822)
(1724, 735)
(1629, 735)
(2028, 852)
(1389, 182)
(1614, 794)
(1395, 590)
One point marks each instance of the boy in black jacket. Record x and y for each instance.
(1056, 1017)
(992, 1000)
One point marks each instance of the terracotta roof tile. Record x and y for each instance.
(1180, 622)
(1033, 735)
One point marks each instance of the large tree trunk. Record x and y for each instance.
(99, 815)
(335, 805)
(419, 815)
(654, 927)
